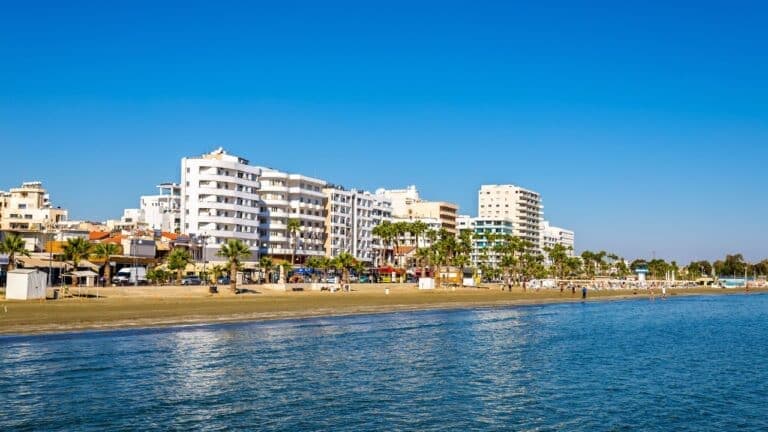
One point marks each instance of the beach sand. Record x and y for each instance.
(137, 307)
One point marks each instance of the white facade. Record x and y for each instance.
(163, 211)
(220, 200)
(552, 235)
(522, 206)
(482, 249)
(351, 217)
(291, 196)
(401, 199)
(380, 212)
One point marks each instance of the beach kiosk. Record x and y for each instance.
(25, 284)
(641, 272)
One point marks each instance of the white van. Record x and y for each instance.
(130, 276)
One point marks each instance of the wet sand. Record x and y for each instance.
(130, 307)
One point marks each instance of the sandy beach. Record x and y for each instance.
(137, 307)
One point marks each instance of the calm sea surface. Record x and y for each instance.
(693, 364)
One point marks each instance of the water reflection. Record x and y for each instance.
(572, 367)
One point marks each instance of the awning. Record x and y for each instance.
(82, 273)
(28, 262)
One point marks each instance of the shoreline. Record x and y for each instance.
(19, 319)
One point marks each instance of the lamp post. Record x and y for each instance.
(134, 251)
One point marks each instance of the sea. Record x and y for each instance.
(695, 363)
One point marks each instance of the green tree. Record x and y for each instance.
(386, 232)
(105, 251)
(558, 255)
(234, 251)
(217, 271)
(343, 263)
(178, 260)
(13, 245)
(294, 226)
(399, 230)
(75, 250)
(418, 229)
(314, 263)
(266, 264)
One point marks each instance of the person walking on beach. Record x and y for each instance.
(584, 292)
(664, 292)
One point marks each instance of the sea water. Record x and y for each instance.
(693, 363)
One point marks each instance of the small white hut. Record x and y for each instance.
(25, 284)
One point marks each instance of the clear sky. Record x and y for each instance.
(644, 126)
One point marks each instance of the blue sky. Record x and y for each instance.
(643, 125)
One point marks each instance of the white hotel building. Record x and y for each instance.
(552, 235)
(522, 206)
(220, 200)
(291, 196)
(351, 216)
(224, 197)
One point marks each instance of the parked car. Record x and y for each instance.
(191, 280)
(223, 280)
(332, 279)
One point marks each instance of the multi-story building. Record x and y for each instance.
(220, 200)
(163, 211)
(522, 206)
(291, 196)
(552, 235)
(28, 212)
(407, 204)
(351, 216)
(487, 233)
(380, 212)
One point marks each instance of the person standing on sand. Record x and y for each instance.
(584, 292)
(664, 292)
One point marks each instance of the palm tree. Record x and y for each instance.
(234, 251)
(217, 270)
(418, 228)
(314, 263)
(75, 249)
(105, 251)
(343, 263)
(266, 264)
(398, 230)
(385, 232)
(178, 260)
(13, 245)
(294, 225)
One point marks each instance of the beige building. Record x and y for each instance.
(522, 206)
(408, 205)
(28, 212)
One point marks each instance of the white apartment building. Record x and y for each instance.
(483, 252)
(220, 200)
(163, 211)
(28, 212)
(552, 235)
(291, 196)
(351, 217)
(522, 206)
(401, 199)
(381, 212)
